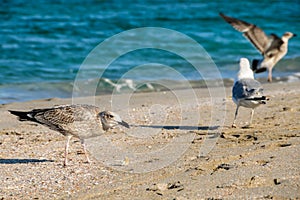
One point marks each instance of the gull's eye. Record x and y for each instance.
(110, 116)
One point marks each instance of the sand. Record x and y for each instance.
(180, 146)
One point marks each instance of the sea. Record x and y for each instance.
(49, 49)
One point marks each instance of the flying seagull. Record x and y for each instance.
(272, 47)
(246, 91)
(80, 121)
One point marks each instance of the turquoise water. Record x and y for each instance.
(43, 43)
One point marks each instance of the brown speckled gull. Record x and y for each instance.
(80, 121)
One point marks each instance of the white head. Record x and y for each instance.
(245, 71)
(287, 35)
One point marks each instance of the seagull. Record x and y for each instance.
(80, 121)
(118, 86)
(272, 47)
(246, 91)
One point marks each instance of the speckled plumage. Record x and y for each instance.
(81, 121)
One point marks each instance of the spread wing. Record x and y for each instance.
(254, 34)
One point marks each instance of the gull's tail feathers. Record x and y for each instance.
(256, 66)
(261, 99)
(23, 116)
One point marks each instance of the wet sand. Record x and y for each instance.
(177, 148)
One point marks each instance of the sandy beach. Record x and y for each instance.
(180, 146)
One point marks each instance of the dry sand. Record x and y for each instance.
(169, 153)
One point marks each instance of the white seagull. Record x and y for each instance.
(246, 91)
(272, 47)
(81, 121)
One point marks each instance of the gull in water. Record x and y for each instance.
(272, 47)
(246, 91)
(80, 121)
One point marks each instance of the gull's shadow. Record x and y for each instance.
(23, 161)
(188, 128)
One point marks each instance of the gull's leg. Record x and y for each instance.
(85, 151)
(236, 113)
(270, 75)
(66, 149)
(252, 113)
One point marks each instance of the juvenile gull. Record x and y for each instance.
(246, 91)
(80, 121)
(272, 47)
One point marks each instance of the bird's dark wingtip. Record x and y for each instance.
(255, 66)
(22, 115)
(260, 70)
(222, 15)
(14, 112)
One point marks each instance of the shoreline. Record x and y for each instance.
(12, 93)
(257, 162)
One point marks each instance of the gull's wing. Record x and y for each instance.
(253, 33)
(274, 48)
(63, 118)
(66, 114)
(248, 89)
(55, 116)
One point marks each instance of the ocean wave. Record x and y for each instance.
(44, 44)
(30, 91)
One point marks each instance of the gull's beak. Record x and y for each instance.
(294, 35)
(123, 123)
(118, 119)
